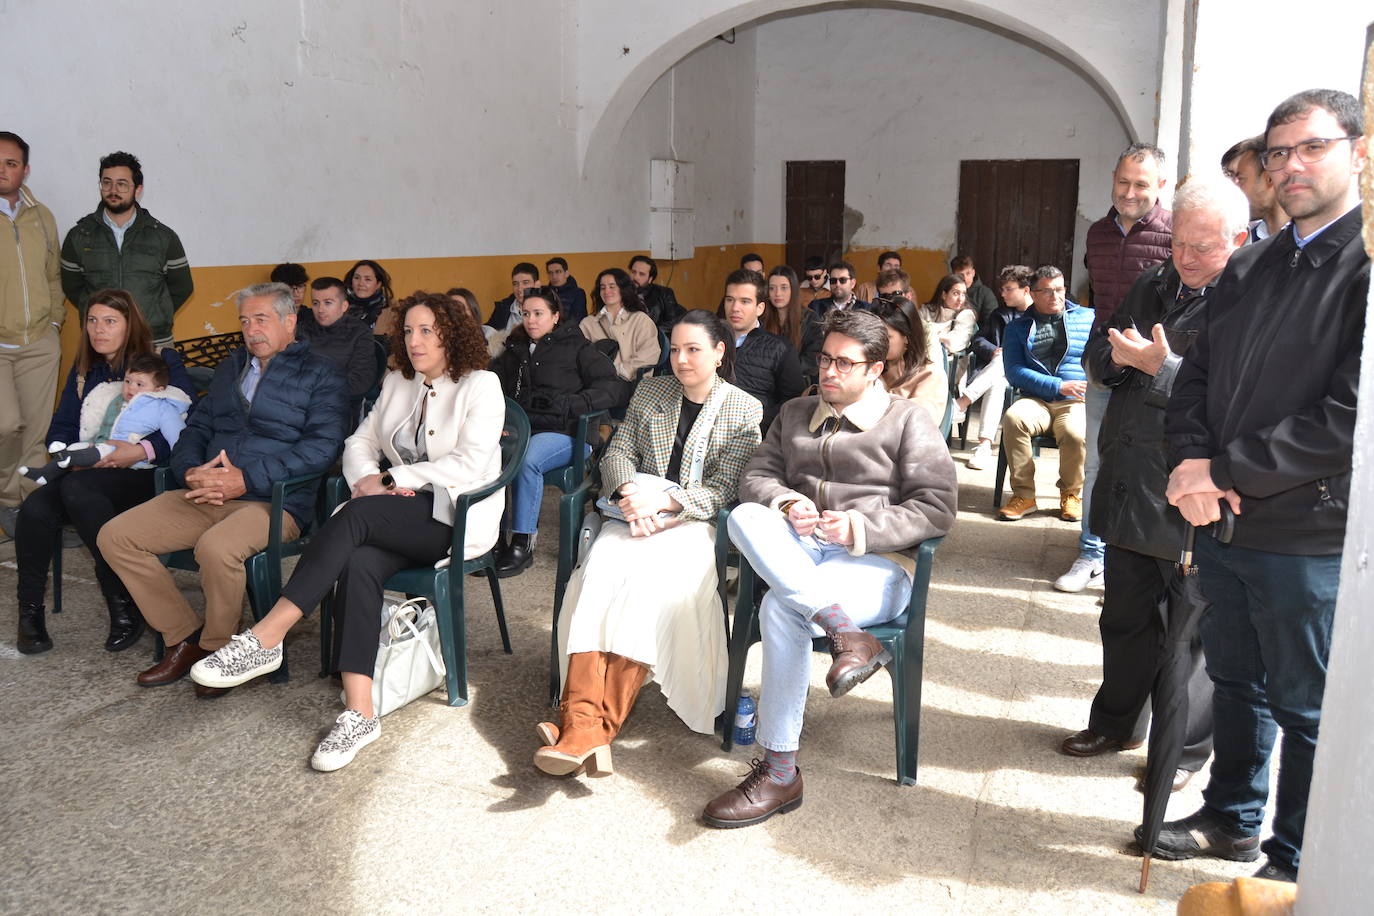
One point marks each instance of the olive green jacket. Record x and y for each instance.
(151, 265)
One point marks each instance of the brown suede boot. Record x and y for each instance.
(582, 741)
(624, 677)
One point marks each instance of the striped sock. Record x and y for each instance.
(782, 766)
(833, 620)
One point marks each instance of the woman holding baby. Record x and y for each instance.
(114, 335)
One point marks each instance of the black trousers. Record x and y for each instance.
(1133, 626)
(356, 551)
(86, 500)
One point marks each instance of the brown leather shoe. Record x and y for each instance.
(1089, 743)
(174, 664)
(857, 656)
(753, 801)
(210, 693)
(1181, 779)
(1071, 507)
(1018, 507)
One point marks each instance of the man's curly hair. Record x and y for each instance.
(464, 343)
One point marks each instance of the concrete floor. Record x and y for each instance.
(120, 799)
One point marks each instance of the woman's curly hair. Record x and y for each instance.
(464, 343)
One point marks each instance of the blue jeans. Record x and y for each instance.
(1266, 638)
(547, 452)
(1089, 544)
(805, 576)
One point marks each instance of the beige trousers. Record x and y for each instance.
(223, 537)
(1029, 417)
(28, 385)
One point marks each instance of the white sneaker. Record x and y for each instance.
(981, 459)
(1081, 574)
(240, 660)
(351, 733)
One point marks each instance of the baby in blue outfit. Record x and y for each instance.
(147, 405)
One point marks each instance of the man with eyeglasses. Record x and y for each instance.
(1241, 165)
(833, 507)
(122, 246)
(1263, 417)
(1138, 360)
(1042, 355)
(814, 282)
(841, 291)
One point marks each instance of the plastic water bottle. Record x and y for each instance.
(744, 721)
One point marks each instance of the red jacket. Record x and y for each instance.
(1115, 260)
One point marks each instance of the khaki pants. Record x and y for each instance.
(30, 372)
(1028, 417)
(223, 537)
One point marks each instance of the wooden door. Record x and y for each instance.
(815, 211)
(1018, 211)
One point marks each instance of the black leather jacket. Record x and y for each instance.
(988, 340)
(1128, 505)
(1269, 390)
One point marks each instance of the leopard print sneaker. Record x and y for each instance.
(351, 733)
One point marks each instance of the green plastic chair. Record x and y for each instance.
(443, 585)
(904, 636)
(1044, 440)
(572, 509)
(574, 472)
(264, 567)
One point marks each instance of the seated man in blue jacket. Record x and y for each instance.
(274, 410)
(1042, 353)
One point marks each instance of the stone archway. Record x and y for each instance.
(619, 56)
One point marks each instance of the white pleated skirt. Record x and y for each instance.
(654, 600)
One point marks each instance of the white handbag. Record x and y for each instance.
(409, 660)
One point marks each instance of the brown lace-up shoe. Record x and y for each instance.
(857, 656)
(1071, 507)
(753, 801)
(1017, 507)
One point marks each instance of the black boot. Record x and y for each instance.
(517, 558)
(33, 633)
(126, 623)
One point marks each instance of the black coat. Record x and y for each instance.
(988, 340)
(1268, 392)
(982, 298)
(573, 301)
(767, 367)
(564, 376)
(661, 304)
(1128, 505)
(500, 313)
(347, 343)
(822, 306)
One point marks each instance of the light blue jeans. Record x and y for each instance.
(1095, 406)
(805, 576)
(547, 451)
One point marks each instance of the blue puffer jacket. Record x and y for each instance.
(1026, 373)
(295, 426)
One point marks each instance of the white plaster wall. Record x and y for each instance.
(335, 129)
(903, 97)
(1244, 66)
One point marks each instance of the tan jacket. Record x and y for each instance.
(463, 423)
(636, 334)
(883, 463)
(31, 300)
(929, 388)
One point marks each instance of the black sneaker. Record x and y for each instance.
(1272, 871)
(1201, 833)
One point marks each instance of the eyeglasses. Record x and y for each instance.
(843, 364)
(1057, 290)
(122, 185)
(841, 279)
(1309, 151)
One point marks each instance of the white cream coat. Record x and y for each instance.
(463, 424)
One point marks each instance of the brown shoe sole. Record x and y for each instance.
(859, 675)
(785, 807)
(1001, 517)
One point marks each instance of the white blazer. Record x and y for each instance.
(463, 424)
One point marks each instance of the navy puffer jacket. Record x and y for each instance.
(295, 426)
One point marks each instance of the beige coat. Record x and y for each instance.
(31, 300)
(463, 423)
(929, 388)
(636, 334)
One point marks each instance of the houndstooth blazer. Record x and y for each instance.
(644, 443)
